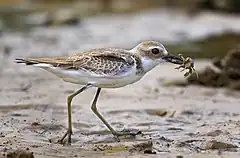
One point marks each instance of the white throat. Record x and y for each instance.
(148, 64)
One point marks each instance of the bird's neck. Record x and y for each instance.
(143, 64)
(148, 64)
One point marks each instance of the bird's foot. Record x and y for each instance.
(126, 132)
(68, 134)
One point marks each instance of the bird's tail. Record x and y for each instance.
(45, 62)
(38, 62)
(26, 61)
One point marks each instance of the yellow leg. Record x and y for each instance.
(115, 133)
(95, 110)
(69, 101)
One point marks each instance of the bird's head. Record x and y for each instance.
(153, 53)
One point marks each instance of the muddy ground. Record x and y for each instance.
(178, 122)
(33, 110)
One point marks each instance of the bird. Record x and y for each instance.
(103, 68)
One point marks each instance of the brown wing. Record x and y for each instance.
(103, 61)
(99, 61)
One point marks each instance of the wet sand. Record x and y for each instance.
(33, 110)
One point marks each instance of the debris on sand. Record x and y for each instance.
(157, 112)
(145, 147)
(160, 112)
(189, 146)
(214, 133)
(109, 148)
(213, 145)
(142, 147)
(19, 153)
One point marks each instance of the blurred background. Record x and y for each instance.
(184, 25)
(196, 28)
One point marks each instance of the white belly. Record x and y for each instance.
(83, 78)
(116, 82)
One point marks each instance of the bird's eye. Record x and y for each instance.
(155, 51)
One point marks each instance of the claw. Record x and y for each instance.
(186, 74)
(126, 132)
(196, 74)
(116, 137)
(182, 70)
(67, 134)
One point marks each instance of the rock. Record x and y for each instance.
(147, 151)
(214, 133)
(225, 72)
(212, 145)
(18, 154)
(109, 148)
(157, 112)
(160, 112)
(231, 63)
(146, 147)
(174, 129)
(217, 62)
(235, 85)
(209, 77)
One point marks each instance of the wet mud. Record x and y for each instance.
(174, 120)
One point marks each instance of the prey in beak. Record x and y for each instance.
(184, 63)
(173, 59)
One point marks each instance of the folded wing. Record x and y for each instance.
(99, 62)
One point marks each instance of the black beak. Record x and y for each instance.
(173, 59)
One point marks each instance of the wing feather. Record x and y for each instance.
(105, 61)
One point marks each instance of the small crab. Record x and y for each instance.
(187, 64)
